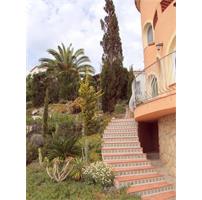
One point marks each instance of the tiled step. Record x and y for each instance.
(123, 124)
(120, 127)
(123, 156)
(128, 163)
(162, 196)
(121, 150)
(134, 170)
(118, 130)
(118, 135)
(125, 181)
(121, 139)
(150, 189)
(122, 144)
(123, 120)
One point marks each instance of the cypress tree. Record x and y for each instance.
(112, 58)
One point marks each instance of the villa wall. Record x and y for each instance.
(167, 142)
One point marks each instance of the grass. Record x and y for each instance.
(41, 187)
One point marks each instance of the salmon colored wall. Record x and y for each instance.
(163, 105)
(164, 30)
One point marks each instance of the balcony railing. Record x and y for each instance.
(165, 4)
(155, 80)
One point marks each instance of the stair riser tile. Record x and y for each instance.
(138, 164)
(132, 138)
(119, 145)
(135, 172)
(115, 130)
(140, 182)
(122, 157)
(122, 124)
(120, 134)
(121, 137)
(154, 191)
(122, 151)
(116, 134)
(121, 128)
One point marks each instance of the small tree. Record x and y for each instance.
(89, 105)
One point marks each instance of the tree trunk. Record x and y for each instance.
(85, 143)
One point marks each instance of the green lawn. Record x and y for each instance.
(41, 187)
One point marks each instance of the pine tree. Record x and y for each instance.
(111, 41)
(112, 58)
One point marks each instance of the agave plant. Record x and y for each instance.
(58, 169)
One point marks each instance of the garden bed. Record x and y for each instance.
(41, 187)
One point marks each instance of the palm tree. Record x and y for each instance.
(64, 61)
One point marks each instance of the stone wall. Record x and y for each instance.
(167, 142)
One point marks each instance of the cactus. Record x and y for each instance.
(40, 157)
(58, 169)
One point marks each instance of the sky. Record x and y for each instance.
(50, 22)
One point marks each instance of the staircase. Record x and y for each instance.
(122, 151)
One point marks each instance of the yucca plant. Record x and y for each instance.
(63, 147)
(78, 167)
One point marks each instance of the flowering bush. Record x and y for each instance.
(99, 173)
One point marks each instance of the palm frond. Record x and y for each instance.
(82, 60)
(55, 54)
(79, 52)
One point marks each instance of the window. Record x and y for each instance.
(149, 34)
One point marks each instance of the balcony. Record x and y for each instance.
(155, 89)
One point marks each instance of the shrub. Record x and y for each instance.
(29, 105)
(37, 140)
(120, 108)
(94, 146)
(98, 173)
(75, 107)
(31, 153)
(65, 125)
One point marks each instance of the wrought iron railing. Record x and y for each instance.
(155, 80)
